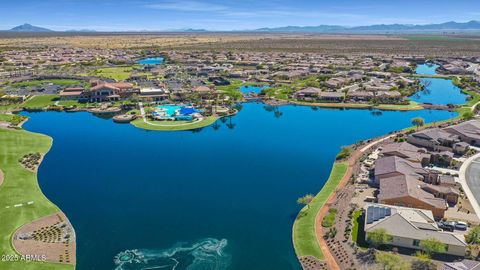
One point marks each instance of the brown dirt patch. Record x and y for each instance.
(51, 238)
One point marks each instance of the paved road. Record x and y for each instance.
(472, 176)
(469, 178)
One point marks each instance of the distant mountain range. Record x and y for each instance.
(29, 28)
(378, 28)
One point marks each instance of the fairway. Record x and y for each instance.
(19, 187)
(40, 101)
(64, 82)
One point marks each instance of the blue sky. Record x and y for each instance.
(128, 15)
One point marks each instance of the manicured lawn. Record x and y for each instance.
(173, 125)
(68, 103)
(475, 97)
(40, 101)
(304, 237)
(65, 82)
(356, 215)
(21, 186)
(233, 89)
(412, 106)
(358, 230)
(116, 73)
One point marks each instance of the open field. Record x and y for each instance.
(118, 40)
(304, 238)
(294, 42)
(355, 45)
(19, 187)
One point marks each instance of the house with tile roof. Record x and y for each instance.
(406, 190)
(409, 226)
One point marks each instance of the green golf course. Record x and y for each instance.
(19, 187)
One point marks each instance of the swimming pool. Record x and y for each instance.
(169, 109)
(181, 113)
(152, 61)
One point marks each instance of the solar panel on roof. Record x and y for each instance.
(369, 214)
(376, 213)
(382, 213)
(369, 219)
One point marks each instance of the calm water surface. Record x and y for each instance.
(223, 197)
(252, 88)
(151, 61)
(427, 69)
(437, 91)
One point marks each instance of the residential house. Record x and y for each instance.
(313, 93)
(406, 190)
(335, 83)
(389, 96)
(360, 95)
(393, 165)
(407, 151)
(468, 132)
(309, 93)
(434, 138)
(332, 96)
(461, 265)
(448, 193)
(409, 226)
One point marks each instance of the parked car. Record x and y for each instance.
(446, 225)
(461, 225)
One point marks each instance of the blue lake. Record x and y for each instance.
(439, 91)
(223, 197)
(252, 88)
(427, 69)
(151, 61)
